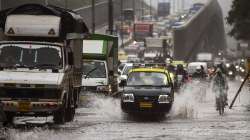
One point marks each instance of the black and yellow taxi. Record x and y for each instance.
(147, 90)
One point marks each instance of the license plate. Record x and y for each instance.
(24, 106)
(145, 105)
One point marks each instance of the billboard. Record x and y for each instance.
(163, 9)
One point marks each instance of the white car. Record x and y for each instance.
(124, 71)
(193, 66)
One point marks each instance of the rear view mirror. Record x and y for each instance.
(123, 83)
(111, 73)
(70, 58)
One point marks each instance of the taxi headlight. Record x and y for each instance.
(230, 73)
(128, 97)
(242, 70)
(164, 99)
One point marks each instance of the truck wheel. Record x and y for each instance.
(70, 113)
(59, 115)
(9, 118)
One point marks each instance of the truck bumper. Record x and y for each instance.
(27, 107)
(97, 89)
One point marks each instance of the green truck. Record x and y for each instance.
(100, 64)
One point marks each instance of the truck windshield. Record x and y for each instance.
(94, 69)
(30, 56)
(147, 79)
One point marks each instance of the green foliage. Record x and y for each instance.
(239, 18)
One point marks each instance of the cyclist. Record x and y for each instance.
(220, 85)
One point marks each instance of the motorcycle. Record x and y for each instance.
(231, 75)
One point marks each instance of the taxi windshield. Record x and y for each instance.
(147, 79)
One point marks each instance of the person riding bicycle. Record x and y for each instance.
(220, 85)
(181, 71)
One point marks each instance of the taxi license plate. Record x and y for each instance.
(24, 106)
(145, 105)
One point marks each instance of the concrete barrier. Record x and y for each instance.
(203, 33)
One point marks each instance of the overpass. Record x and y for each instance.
(204, 32)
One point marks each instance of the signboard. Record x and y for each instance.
(154, 42)
(204, 57)
(94, 48)
(33, 25)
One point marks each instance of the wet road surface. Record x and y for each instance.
(193, 116)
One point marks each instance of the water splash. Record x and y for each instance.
(106, 107)
(188, 101)
(38, 134)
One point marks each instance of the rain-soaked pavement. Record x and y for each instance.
(193, 116)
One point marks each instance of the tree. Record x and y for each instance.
(239, 19)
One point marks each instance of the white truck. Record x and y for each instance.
(40, 61)
(100, 64)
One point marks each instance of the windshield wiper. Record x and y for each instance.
(87, 75)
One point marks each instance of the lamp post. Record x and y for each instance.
(93, 16)
(111, 22)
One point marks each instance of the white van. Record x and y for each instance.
(194, 65)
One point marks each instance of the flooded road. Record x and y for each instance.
(193, 116)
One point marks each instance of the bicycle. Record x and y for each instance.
(220, 104)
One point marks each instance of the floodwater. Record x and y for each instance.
(193, 116)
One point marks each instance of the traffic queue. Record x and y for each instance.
(149, 88)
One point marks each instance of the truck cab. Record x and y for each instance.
(100, 64)
(96, 76)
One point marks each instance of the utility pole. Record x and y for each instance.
(150, 9)
(134, 8)
(122, 20)
(93, 16)
(142, 5)
(46, 2)
(110, 10)
(66, 4)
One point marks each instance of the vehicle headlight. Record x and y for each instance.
(242, 70)
(164, 99)
(241, 79)
(107, 88)
(129, 97)
(230, 73)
